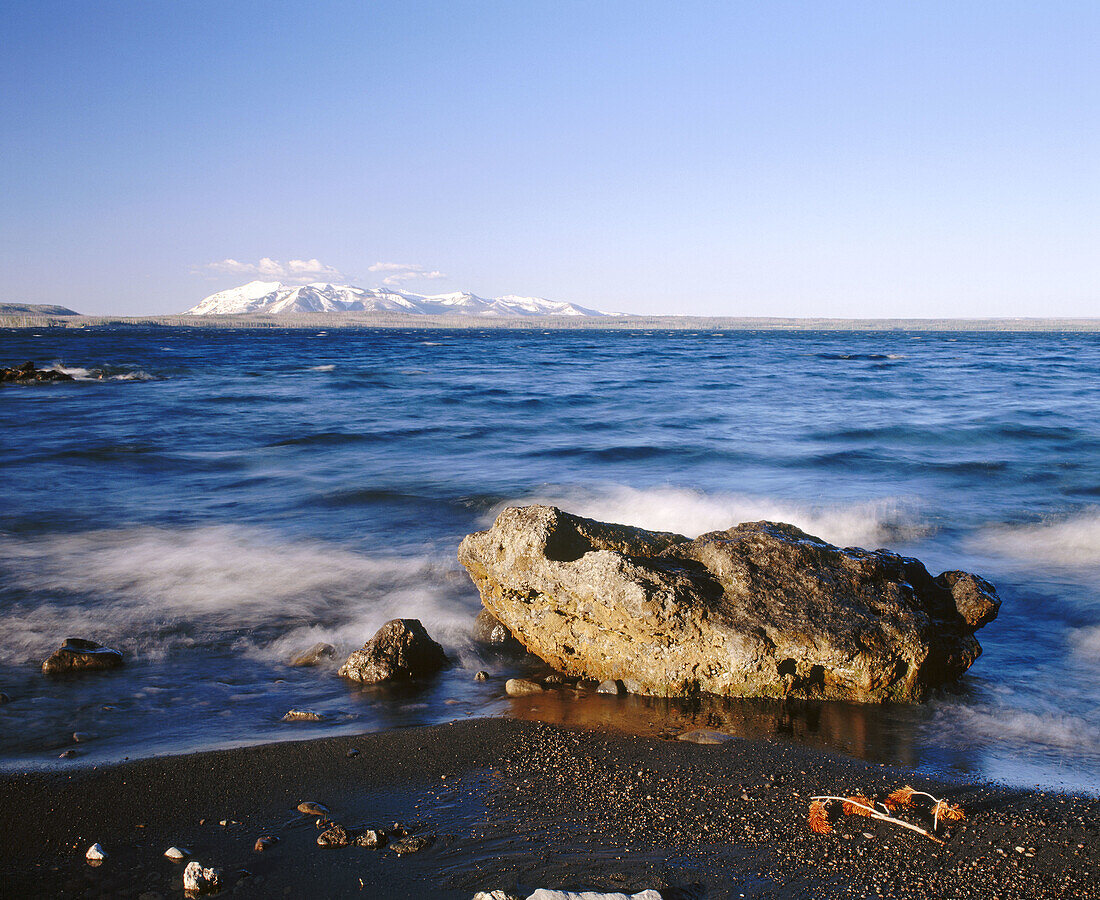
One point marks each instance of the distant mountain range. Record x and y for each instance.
(35, 309)
(276, 298)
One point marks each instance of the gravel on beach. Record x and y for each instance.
(511, 805)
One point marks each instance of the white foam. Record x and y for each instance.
(871, 523)
(328, 368)
(79, 373)
(1072, 542)
(153, 591)
(1033, 730)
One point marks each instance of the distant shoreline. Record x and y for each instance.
(391, 321)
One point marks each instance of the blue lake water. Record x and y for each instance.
(211, 501)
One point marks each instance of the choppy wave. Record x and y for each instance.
(105, 373)
(1072, 542)
(154, 591)
(870, 523)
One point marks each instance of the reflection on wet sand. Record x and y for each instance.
(879, 733)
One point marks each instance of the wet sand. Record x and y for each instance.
(518, 805)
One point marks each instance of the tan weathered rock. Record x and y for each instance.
(521, 687)
(762, 609)
(313, 656)
(401, 649)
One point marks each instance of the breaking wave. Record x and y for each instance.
(872, 523)
(155, 591)
(1072, 542)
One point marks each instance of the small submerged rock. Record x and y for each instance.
(336, 836)
(177, 853)
(412, 844)
(82, 737)
(400, 650)
(610, 687)
(705, 736)
(200, 880)
(79, 655)
(265, 842)
(67, 754)
(481, 676)
(4, 698)
(521, 687)
(313, 656)
(303, 715)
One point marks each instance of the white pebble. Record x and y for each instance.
(95, 853)
(196, 878)
(176, 853)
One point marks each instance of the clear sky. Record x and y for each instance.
(728, 158)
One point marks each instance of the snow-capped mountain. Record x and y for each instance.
(274, 297)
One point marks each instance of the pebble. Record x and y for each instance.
(303, 715)
(177, 853)
(352, 753)
(610, 687)
(265, 842)
(370, 837)
(520, 687)
(312, 808)
(413, 844)
(198, 879)
(95, 853)
(335, 836)
(704, 736)
(480, 676)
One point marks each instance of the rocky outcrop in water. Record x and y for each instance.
(28, 374)
(400, 650)
(760, 610)
(79, 655)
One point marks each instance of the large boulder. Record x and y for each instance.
(400, 650)
(79, 655)
(760, 610)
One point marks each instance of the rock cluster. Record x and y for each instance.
(79, 655)
(762, 609)
(400, 650)
(28, 374)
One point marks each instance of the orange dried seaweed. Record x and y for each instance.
(819, 818)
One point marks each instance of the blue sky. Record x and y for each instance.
(732, 158)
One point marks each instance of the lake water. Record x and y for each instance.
(211, 501)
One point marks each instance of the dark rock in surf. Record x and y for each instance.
(760, 610)
(79, 655)
(28, 374)
(400, 650)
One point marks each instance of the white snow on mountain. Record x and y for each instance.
(274, 297)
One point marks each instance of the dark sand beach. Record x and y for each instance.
(519, 805)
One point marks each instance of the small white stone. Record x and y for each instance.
(609, 687)
(177, 853)
(96, 853)
(198, 879)
(545, 894)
